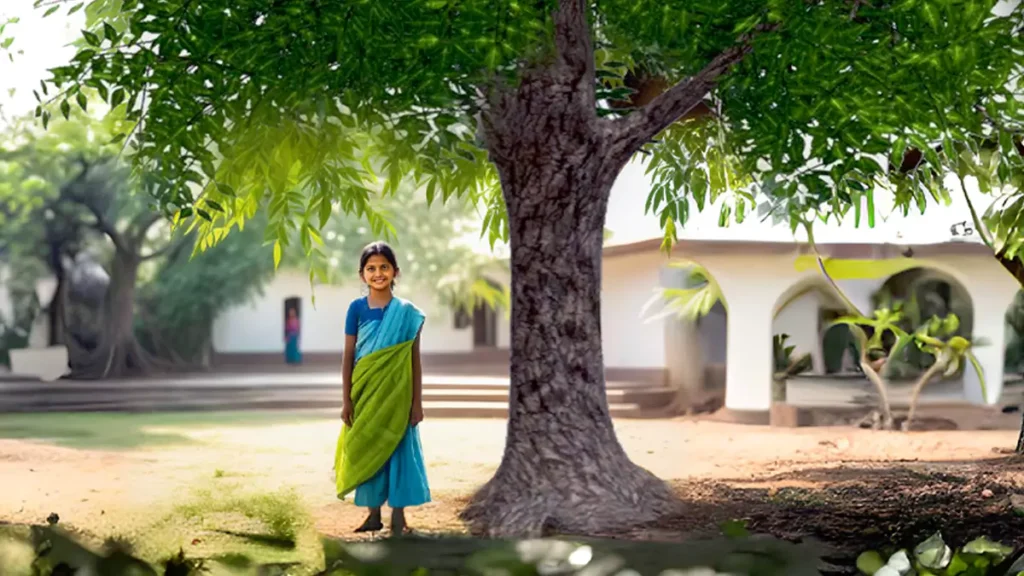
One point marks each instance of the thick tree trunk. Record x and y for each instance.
(55, 309)
(119, 352)
(563, 470)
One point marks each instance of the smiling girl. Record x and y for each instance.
(379, 455)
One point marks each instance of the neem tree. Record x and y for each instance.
(300, 105)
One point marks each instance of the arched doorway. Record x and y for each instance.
(920, 294)
(695, 315)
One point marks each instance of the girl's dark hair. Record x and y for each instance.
(379, 249)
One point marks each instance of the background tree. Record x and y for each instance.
(59, 184)
(299, 107)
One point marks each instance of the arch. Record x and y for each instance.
(800, 319)
(695, 323)
(924, 293)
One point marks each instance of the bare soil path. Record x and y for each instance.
(838, 484)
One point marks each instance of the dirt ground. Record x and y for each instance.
(837, 484)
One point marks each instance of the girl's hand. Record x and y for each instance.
(346, 414)
(416, 416)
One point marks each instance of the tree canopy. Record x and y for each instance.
(345, 100)
(297, 106)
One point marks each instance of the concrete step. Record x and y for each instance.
(312, 382)
(432, 409)
(27, 399)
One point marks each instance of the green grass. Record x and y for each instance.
(225, 523)
(126, 431)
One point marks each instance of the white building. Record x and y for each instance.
(754, 263)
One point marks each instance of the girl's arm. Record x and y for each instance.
(417, 384)
(347, 363)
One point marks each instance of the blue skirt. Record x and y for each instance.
(292, 355)
(402, 481)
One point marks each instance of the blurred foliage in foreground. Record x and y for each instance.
(51, 551)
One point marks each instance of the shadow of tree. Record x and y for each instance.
(855, 506)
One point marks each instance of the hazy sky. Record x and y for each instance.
(45, 44)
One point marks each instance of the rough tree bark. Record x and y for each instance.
(563, 469)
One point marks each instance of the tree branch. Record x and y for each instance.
(575, 48)
(103, 224)
(572, 35)
(632, 132)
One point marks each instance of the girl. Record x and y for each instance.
(292, 355)
(379, 453)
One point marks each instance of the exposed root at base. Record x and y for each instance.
(114, 360)
(504, 508)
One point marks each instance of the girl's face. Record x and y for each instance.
(378, 273)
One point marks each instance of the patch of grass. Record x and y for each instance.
(227, 521)
(126, 431)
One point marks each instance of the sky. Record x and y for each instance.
(46, 43)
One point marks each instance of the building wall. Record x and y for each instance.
(6, 306)
(628, 283)
(258, 327)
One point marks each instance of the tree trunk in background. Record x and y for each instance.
(55, 309)
(563, 469)
(119, 352)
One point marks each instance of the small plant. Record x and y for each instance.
(979, 557)
(786, 363)
(938, 338)
(875, 355)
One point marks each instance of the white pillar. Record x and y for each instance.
(989, 324)
(748, 372)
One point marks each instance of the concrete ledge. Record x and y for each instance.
(46, 364)
(750, 417)
(783, 415)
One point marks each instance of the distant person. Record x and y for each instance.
(292, 354)
(379, 455)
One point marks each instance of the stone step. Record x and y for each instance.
(432, 409)
(311, 382)
(457, 401)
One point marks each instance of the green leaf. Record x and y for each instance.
(116, 98)
(277, 254)
(933, 553)
(870, 562)
(51, 10)
(109, 32)
(987, 547)
(91, 38)
(65, 109)
(82, 102)
(76, 8)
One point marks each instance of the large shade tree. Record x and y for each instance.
(534, 107)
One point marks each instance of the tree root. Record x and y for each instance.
(123, 357)
(614, 497)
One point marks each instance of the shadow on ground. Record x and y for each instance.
(856, 506)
